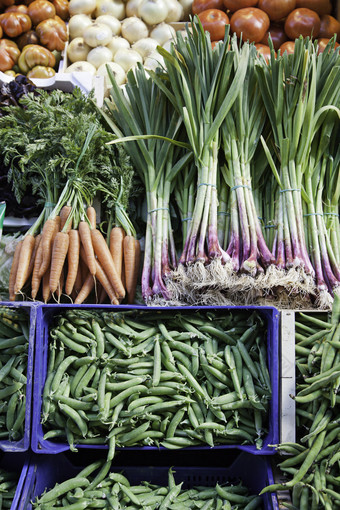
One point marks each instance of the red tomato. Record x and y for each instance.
(277, 34)
(329, 27)
(264, 50)
(303, 22)
(203, 5)
(251, 22)
(288, 47)
(214, 22)
(277, 9)
(319, 6)
(235, 5)
(322, 43)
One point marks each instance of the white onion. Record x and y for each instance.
(81, 67)
(187, 8)
(175, 11)
(114, 7)
(153, 11)
(167, 45)
(97, 34)
(77, 50)
(153, 61)
(134, 29)
(132, 7)
(99, 56)
(117, 71)
(127, 58)
(117, 43)
(81, 7)
(77, 25)
(110, 21)
(162, 33)
(145, 46)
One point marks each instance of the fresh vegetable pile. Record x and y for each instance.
(10, 94)
(8, 486)
(282, 20)
(312, 470)
(57, 144)
(32, 35)
(178, 380)
(120, 34)
(245, 151)
(14, 331)
(95, 485)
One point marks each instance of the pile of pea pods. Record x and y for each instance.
(97, 487)
(14, 340)
(312, 469)
(8, 486)
(152, 378)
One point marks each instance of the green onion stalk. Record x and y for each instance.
(241, 131)
(147, 125)
(298, 91)
(321, 184)
(203, 87)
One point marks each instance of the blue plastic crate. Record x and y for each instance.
(45, 315)
(255, 472)
(24, 443)
(17, 463)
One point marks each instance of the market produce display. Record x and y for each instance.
(57, 144)
(312, 469)
(249, 150)
(14, 331)
(96, 484)
(174, 380)
(33, 35)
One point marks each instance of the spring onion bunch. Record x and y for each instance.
(204, 85)
(302, 98)
(146, 123)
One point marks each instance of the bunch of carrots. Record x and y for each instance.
(74, 258)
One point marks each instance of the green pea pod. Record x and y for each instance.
(63, 488)
(157, 363)
(75, 417)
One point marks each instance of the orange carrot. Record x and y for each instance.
(92, 217)
(34, 254)
(57, 223)
(86, 290)
(64, 214)
(123, 274)
(60, 284)
(116, 248)
(78, 282)
(131, 264)
(59, 252)
(46, 241)
(36, 279)
(103, 279)
(46, 293)
(13, 272)
(72, 260)
(24, 262)
(86, 240)
(104, 256)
